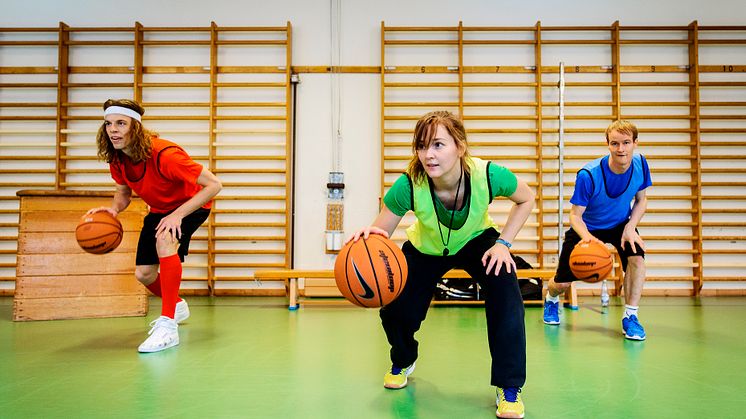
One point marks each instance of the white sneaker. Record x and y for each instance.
(182, 311)
(164, 333)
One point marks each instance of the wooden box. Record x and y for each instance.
(56, 279)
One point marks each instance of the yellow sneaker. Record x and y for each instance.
(397, 377)
(509, 403)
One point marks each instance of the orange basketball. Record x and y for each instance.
(99, 233)
(591, 262)
(372, 272)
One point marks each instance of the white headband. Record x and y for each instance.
(121, 110)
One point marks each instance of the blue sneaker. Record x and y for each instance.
(633, 330)
(551, 313)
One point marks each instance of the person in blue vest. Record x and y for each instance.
(449, 192)
(607, 204)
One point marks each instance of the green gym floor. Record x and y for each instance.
(252, 358)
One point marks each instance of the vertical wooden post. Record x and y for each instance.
(539, 146)
(383, 111)
(138, 68)
(211, 156)
(289, 175)
(461, 70)
(616, 72)
(616, 113)
(696, 177)
(63, 60)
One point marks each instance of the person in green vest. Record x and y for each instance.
(449, 192)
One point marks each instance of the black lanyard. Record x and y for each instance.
(453, 212)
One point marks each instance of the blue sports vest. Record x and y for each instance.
(604, 211)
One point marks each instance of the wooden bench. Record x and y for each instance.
(320, 283)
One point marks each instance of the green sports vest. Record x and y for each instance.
(424, 233)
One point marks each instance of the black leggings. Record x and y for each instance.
(502, 299)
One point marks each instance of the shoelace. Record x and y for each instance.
(511, 393)
(155, 324)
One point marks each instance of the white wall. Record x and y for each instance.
(360, 45)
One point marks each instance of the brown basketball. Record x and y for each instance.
(372, 272)
(591, 262)
(99, 233)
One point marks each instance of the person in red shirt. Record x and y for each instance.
(179, 192)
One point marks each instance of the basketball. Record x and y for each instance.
(591, 262)
(98, 233)
(372, 272)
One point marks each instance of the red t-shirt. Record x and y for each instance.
(164, 181)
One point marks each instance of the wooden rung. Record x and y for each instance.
(101, 43)
(722, 130)
(242, 238)
(247, 144)
(581, 84)
(250, 118)
(722, 83)
(244, 265)
(420, 42)
(723, 252)
(30, 158)
(243, 157)
(734, 117)
(654, 41)
(723, 278)
(248, 170)
(27, 70)
(249, 225)
(240, 251)
(416, 104)
(248, 131)
(252, 197)
(27, 85)
(577, 41)
(254, 184)
(28, 105)
(498, 42)
(172, 84)
(27, 171)
(27, 132)
(723, 104)
(499, 84)
(724, 265)
(422, 84)
(656, 104)
(28, 118)
(27, 43)
(98, 85)
(26, 145)
(176, 43)
(253, 42)
(249, 85)
(250, 104)
(248, 211)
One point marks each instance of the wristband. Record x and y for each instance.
(504, 243)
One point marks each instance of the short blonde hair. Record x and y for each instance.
(624, 127)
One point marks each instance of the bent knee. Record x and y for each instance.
(146, 274)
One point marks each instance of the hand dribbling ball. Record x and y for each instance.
(372, 272)
(99, 233)
(591, 261)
